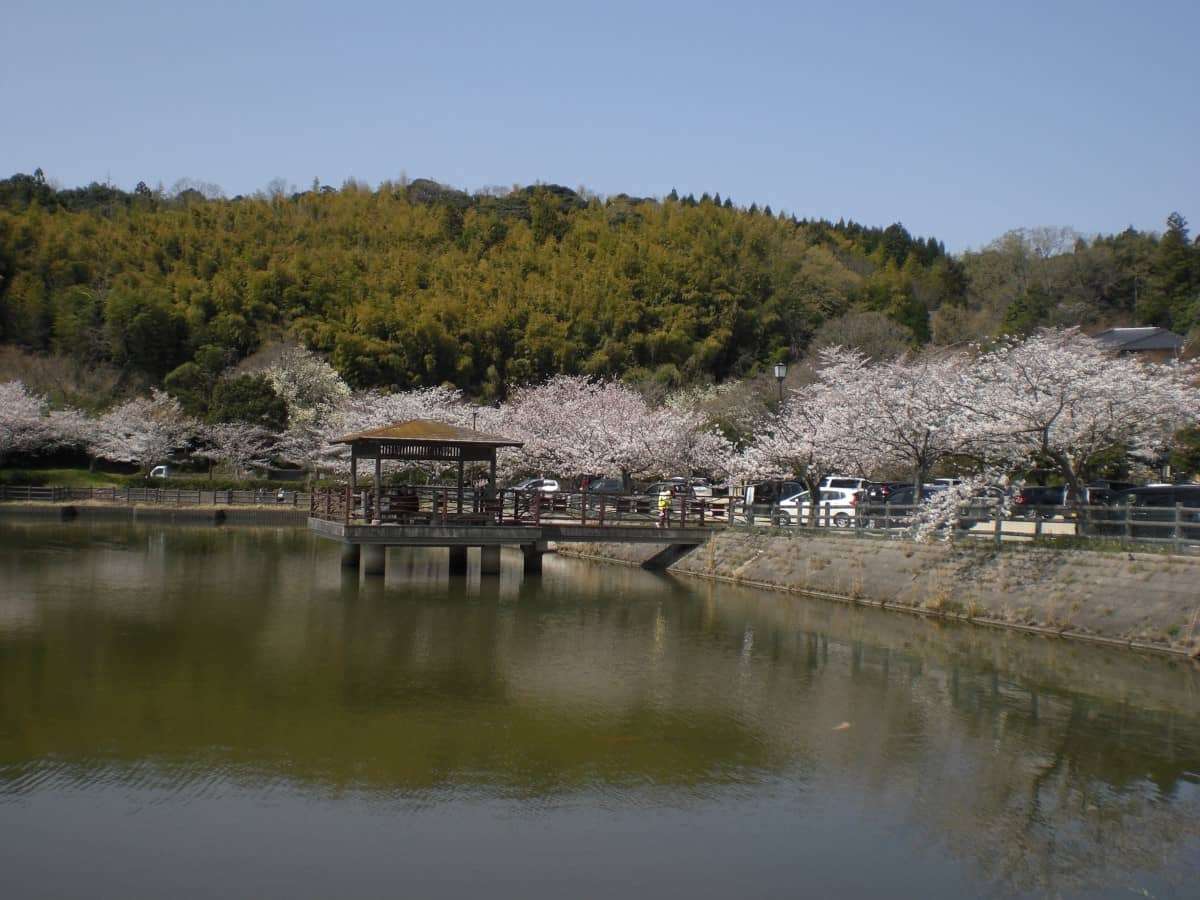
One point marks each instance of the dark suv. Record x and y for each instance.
(1151, 510)
(602, 486)
(1036, 501)
(881, 491)
(894, 509)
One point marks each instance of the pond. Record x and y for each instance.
(219, 713)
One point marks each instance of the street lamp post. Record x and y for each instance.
(780, 374)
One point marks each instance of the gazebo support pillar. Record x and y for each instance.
(374, 557)
(458, 560)
(533, 558)
(489, 560)
(351, 553)
(378, 488)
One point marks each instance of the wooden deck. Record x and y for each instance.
(468, 535)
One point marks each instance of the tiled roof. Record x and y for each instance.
(1147, 338)
(428, 431)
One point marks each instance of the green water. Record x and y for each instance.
(208, 713)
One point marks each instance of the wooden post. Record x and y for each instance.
(349, 503)
(602, 510)
(353, 469)
(378, 518)
(583, 507)
(998, 527)
(1128, 531)
(1177, 534)
(460, 482)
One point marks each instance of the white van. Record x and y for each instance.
(836, 507)
(844, 481)
(160, 472)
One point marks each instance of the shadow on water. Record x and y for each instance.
(201, 663)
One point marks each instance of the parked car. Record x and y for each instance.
(1037, 501)
(895, 510)
(694, 487)
(545, 485)
(767, 493)
(835, 506)
(603, 486)
(1152, 512)
(844, 481)
(881, 491)
(161, 472)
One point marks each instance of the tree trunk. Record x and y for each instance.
(812, 483)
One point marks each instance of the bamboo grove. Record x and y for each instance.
(415, 284)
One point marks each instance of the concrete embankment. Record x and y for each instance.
(1138, 600)
(176, 515)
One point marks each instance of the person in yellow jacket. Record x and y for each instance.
(664, 509)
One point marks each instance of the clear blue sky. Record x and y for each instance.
(960, 120)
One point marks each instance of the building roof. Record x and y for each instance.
(1148, 338)
(428, 431)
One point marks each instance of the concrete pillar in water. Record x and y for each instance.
(350, 555)
(374, 559)
(458, 560)
(533, 559)
(489, 560)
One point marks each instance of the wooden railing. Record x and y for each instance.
(160, 496)
(982, 518)
(428, 505)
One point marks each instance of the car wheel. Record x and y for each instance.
(783, 519)
(841, 520)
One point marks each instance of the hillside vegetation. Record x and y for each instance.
(416, 284)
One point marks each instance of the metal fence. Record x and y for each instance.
(1173, 527)
(159, 496)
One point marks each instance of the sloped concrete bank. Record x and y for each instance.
(178, 515)
(1137, 600)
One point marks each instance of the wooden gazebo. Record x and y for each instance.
(424, 440)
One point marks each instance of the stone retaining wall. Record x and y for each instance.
(1140, 600)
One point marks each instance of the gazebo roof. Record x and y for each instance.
(427, 431)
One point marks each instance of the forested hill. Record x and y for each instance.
(419, 284)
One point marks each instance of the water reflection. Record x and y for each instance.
(198, 666)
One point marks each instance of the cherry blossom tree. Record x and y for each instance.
(574, 425)
(239, 444)
(912, 413)
(27, 425)
(315, 396)
(1061, 397)
(816, 432)
(145, 431)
